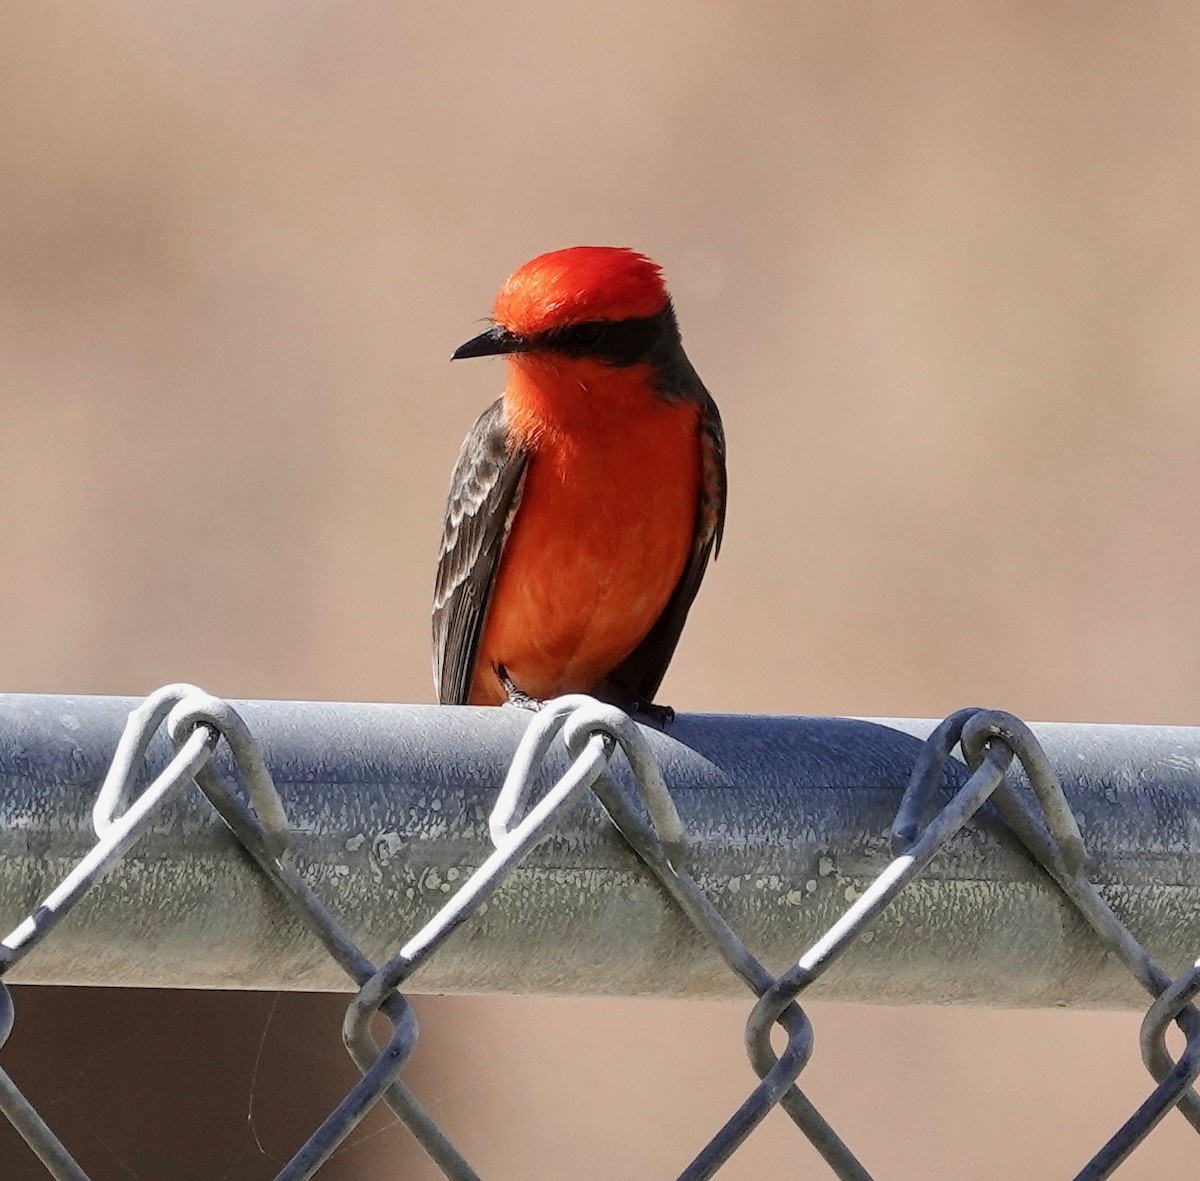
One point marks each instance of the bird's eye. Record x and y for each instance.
(590, 335)
(617, 342)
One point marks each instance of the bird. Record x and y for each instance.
(587, 501)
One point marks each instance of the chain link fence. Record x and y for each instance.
(933, 808)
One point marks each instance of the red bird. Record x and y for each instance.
(587, 501)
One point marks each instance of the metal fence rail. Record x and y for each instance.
(696, 863)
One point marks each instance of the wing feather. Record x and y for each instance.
(639, 676)
(485, 492)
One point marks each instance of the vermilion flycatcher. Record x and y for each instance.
(585, 502)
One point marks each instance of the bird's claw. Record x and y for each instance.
(658, 716)
(517, 698)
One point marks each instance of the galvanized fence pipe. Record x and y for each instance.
(787, 821)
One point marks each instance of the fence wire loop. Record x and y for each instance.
(579, 719)
(526, 763)
(118, 838)
(116, 792)
(1061, 852)
(925, 778)
(987, 726)
(200, 709)
(594, 718)
(647, 817)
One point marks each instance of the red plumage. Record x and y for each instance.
(586, 502)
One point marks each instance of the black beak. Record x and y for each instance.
(490, 343)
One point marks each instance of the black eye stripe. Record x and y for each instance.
(647, 340)
(618, 342)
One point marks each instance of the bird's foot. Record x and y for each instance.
(658, 716)
(517, 698)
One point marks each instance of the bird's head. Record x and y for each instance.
(602, 303)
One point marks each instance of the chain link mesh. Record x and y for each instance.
(646, 816)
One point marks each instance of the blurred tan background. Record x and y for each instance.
(939, 265)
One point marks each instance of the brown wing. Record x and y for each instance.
(638, 677)
(485, 491)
